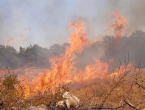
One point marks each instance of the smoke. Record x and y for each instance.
(132, 9)
(136, 15)
(46, 23)
(111, 52)
(49, 20)
(1, 26)
(45, 20)
(107, 50)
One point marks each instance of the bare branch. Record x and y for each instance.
(108, 107)
(140, 85)
(129, 104)
(97, 107)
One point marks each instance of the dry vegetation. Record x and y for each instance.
(12, 93)
(125, 92)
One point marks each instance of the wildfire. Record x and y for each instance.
(9, 40)
(119, 25)
(63, 68)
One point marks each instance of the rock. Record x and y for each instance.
(40, 107)
(14, 108)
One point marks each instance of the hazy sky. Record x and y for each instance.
(45, 22)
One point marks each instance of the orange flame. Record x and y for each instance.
(119, 25)
(63, 68)
(9, 40)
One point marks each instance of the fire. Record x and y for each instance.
(63, 68)
(9, 40)
(119, 25)
(97, 70)
(122, 70)
(62, 72)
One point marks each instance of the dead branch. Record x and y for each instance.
(113, 89)
(92, 100)
(140, 85)
(110, 108)
(129, 104)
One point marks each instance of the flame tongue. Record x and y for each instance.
(119, 25)
(9, 40)
(63, 66)
(78, 37)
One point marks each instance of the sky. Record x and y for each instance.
(45, 22)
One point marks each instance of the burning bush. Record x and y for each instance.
(12, 93)
(109, 91)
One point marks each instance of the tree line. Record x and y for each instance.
(105, 50)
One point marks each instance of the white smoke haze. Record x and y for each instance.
(48, 20)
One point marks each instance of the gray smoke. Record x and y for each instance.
(49, 20)
(136, 15)
(46, 23)
(108, 49)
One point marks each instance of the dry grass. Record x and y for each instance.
(126, 89)
(110, 92)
